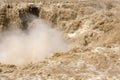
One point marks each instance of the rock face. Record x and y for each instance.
(92, 25)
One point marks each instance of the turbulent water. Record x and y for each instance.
(67, 40)
(40, 41)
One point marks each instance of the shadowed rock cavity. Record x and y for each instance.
(27, 15)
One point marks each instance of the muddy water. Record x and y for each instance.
(93, 28)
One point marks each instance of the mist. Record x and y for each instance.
(39, 42)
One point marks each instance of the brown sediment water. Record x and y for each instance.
(60, 40)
